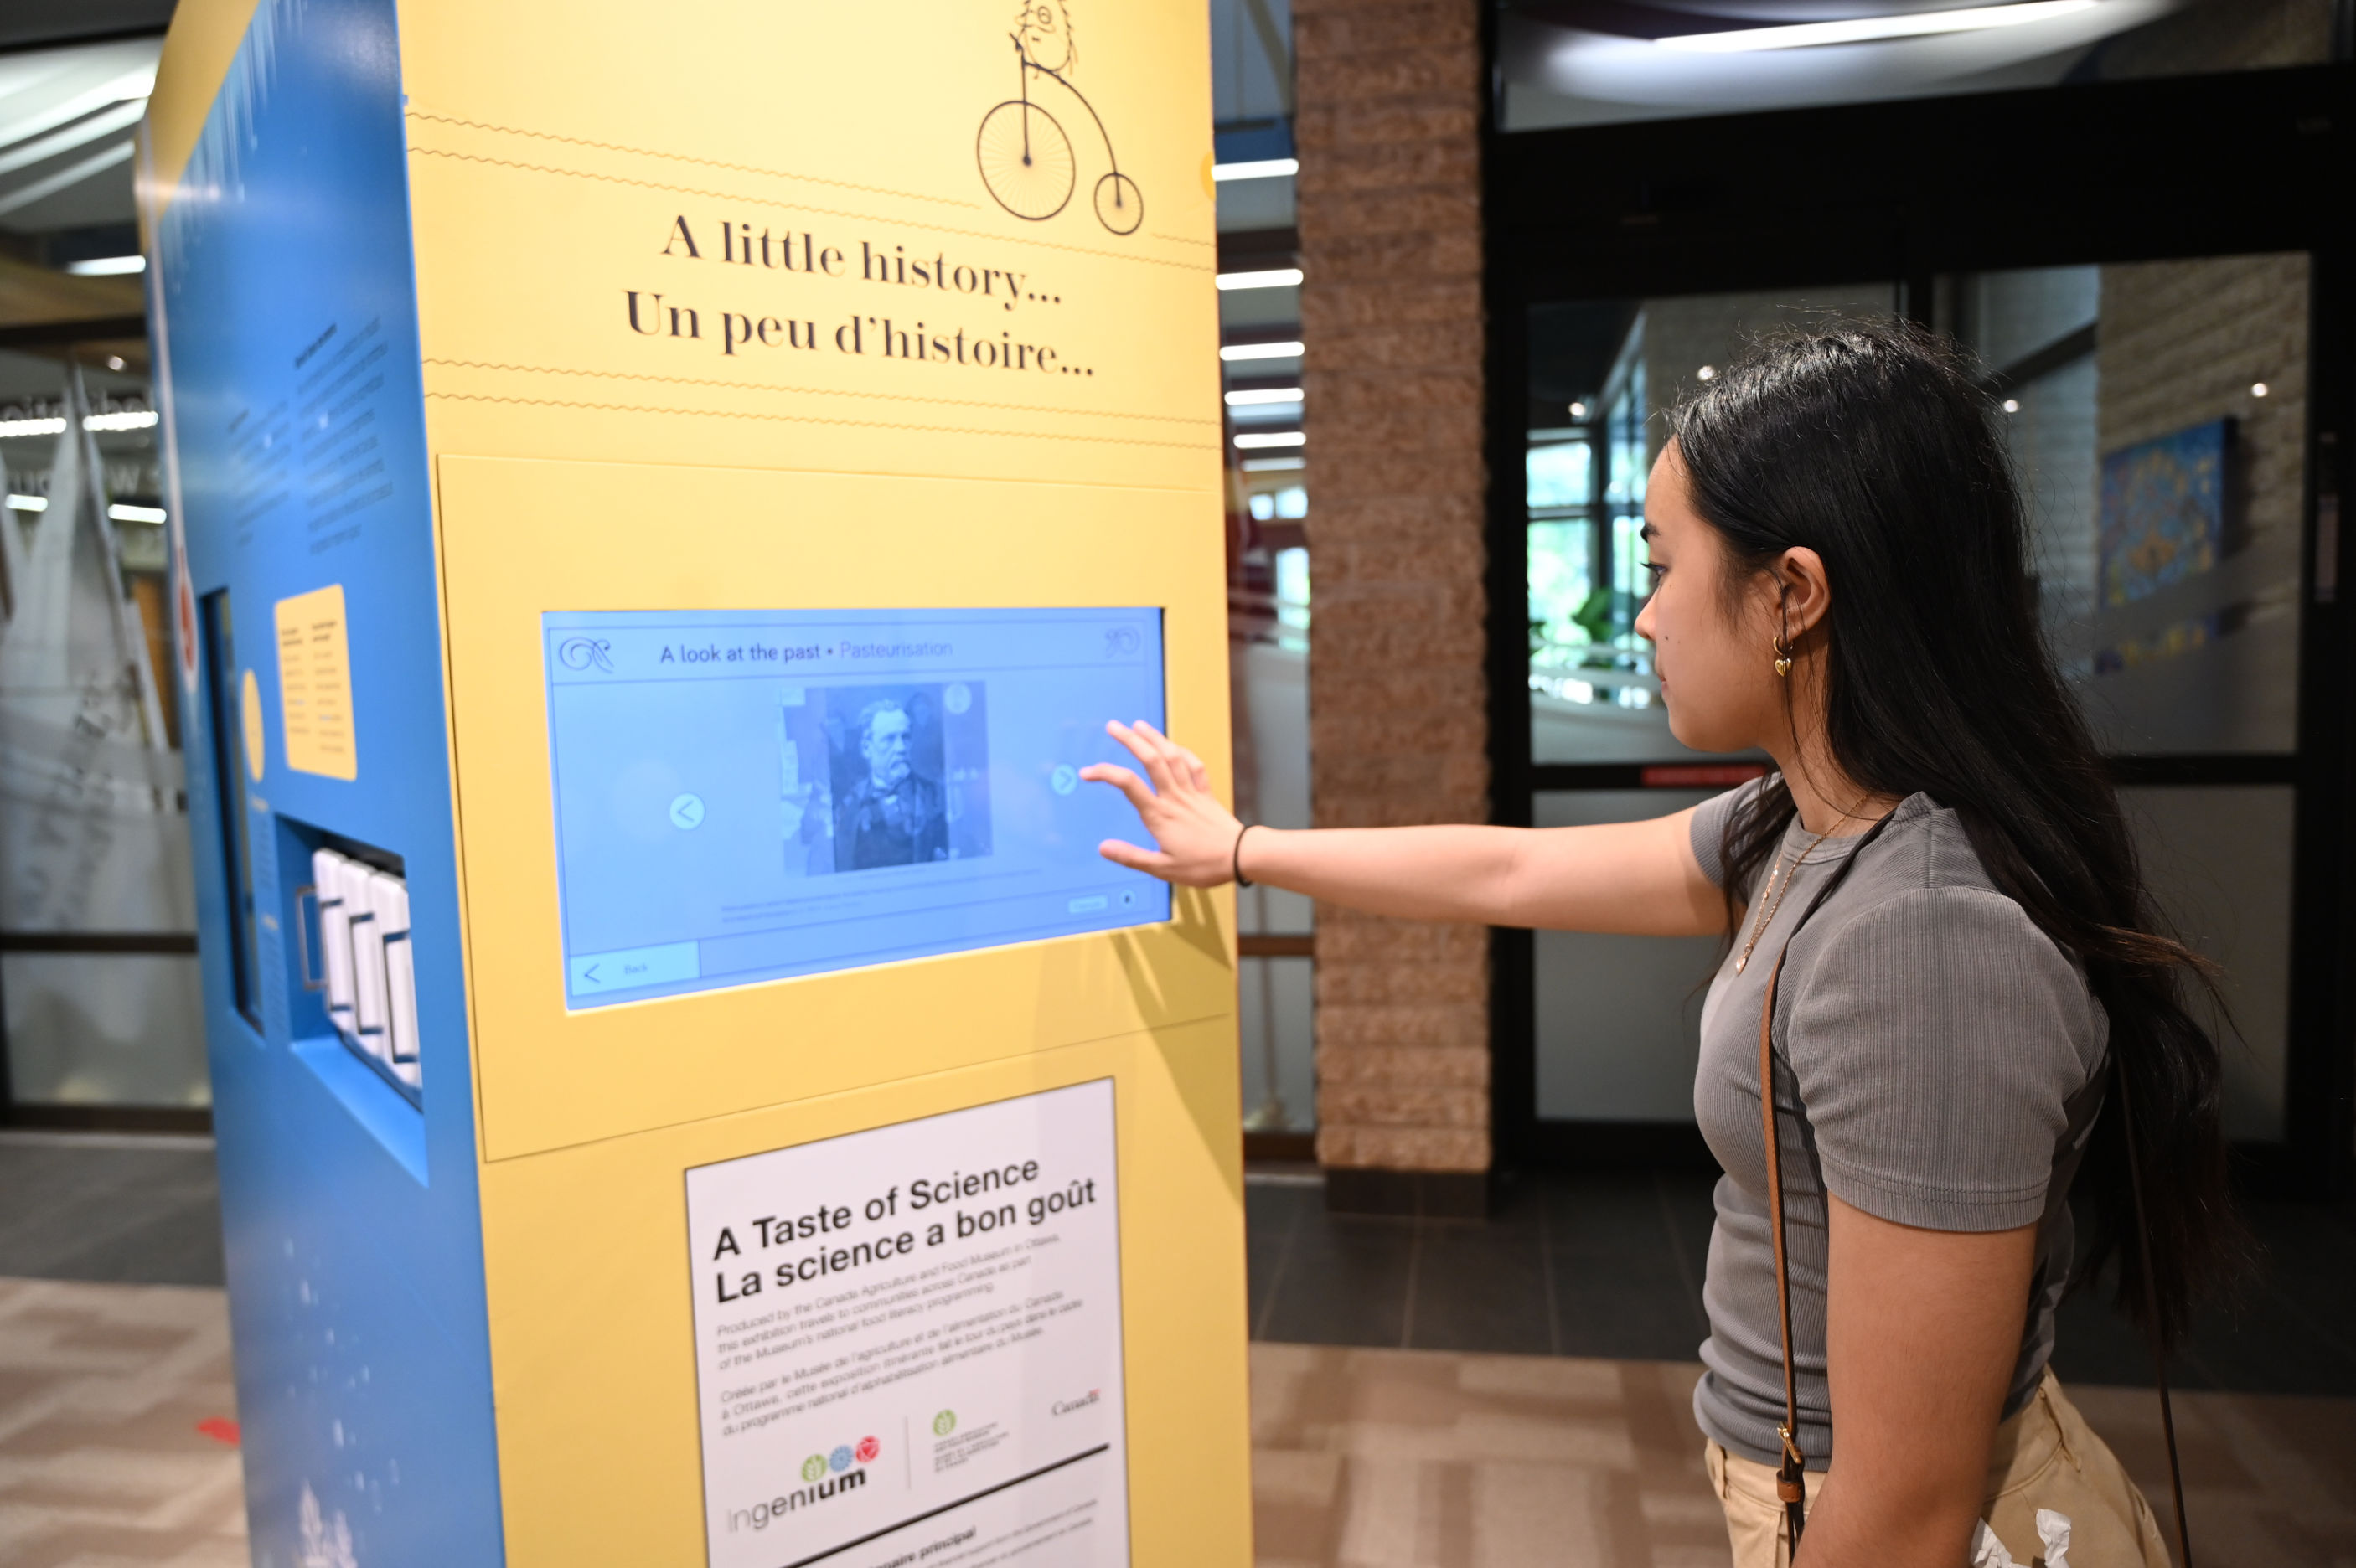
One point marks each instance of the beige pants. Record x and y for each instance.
(2046, 1457)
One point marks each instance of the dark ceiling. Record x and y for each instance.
(37, 24)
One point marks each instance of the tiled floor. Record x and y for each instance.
(1607, 1264)
(2291, 1329)
(1610, 1264)
(110, 1207)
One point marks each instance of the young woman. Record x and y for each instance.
(1964, 1027)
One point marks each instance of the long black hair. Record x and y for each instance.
(1874, 445)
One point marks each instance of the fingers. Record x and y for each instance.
(1170, 766)
(1145, 744)
(1163, 746)
(1137, 744)
(1184, 762)
(1160, 761)
(1121, 779)
(1151, 862)
(1184, 768)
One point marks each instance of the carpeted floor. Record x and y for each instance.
(1511, 1391)
(1381, 1458)
(117, 1449)
(117, 1428)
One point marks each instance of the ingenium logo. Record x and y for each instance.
(829, 1475)
(816, 1467)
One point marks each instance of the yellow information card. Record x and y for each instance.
(315, 684)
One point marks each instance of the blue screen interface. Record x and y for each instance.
(745, 796)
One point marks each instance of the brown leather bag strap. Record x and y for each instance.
(1790, 1469)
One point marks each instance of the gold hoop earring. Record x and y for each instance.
(1782, 656)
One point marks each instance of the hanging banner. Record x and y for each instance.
(908, 1343)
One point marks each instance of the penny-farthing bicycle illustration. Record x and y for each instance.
(1026, 159)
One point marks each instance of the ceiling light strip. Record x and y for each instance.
(1874, 29)
(1271, 278)
(128, 419)
(1234, 351)
(1256, 169)
(25, 154)
(136, 85)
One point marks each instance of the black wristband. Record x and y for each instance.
(1236, 855)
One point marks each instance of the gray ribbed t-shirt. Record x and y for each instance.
(1937, 1065)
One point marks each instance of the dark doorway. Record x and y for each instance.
(2157, 274)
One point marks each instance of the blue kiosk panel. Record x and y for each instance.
(286, 318)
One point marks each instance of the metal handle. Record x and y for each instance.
(303, 938)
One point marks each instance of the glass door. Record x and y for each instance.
(2158, 413)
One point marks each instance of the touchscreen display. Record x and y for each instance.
(747, 794)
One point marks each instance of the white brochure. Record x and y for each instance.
(907, 1343)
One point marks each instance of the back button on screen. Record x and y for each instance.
(634, 966)
(687, 812)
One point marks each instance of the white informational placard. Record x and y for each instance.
(907, 1343)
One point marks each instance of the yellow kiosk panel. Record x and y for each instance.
(605, 1461)
(515, 551)
(720, 466)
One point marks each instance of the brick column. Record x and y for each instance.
(1388, 104)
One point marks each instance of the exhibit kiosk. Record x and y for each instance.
(666, 501)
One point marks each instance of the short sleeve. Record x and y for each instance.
(1936, 1038)
(1707, 829)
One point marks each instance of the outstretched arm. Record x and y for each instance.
(1638, 877)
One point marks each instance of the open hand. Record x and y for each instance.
(1196, 834)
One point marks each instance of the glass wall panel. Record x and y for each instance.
(1251, 61)
(1602, 374)
(1619, 1017)
(1271, 699)
(1276, 998)
(1598, 62)
(1272, 732)
(1260, 355)
(2218, 861)
(93, 825)
(2158, 413)
(104, 1030)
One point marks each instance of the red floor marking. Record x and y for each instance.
(219, 1428)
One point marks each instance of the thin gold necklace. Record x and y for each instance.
(1779, 888)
